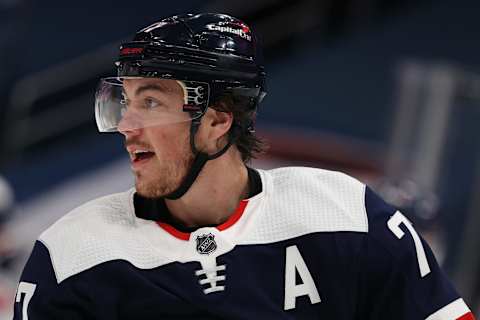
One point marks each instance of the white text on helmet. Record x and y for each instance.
(238, 32)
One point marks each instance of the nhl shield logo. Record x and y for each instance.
(206, 244)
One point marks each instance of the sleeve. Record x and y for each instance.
(400, 277)
(40, 297)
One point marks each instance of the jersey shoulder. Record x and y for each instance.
(90, 234)
(111, 209)
(399, 263)
(302, 200)
(387, 226)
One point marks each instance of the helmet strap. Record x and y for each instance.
(199, 162)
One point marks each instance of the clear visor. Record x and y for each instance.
(129, 103)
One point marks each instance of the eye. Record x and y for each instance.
(151, 103)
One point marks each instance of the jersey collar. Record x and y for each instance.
(234, 217)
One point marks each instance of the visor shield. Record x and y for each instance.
(128, 103)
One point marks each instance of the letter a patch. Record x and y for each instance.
(295, 263)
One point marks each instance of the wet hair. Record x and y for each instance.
(244, 138)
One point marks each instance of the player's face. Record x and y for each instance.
(160, 155)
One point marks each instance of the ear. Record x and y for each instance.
(214, 129)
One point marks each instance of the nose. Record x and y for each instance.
(130, 124)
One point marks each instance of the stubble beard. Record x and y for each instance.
(165, 178)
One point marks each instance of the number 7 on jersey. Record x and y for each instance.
(394, 225)
(28, 289)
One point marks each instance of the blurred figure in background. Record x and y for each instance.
(7, 201)
(7, 252)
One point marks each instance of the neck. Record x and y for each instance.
(215, 194)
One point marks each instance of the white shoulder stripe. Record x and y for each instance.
(452, 311)
(299, 201)
(104, 230)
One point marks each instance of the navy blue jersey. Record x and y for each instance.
(314, 244)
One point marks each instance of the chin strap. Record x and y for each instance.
(199, 162)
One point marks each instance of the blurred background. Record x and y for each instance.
(385, 90)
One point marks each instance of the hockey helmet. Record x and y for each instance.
(209, 55)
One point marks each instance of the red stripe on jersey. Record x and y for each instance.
(467, 316)
(174, 232)
(234, 217)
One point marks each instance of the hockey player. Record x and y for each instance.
(203, 236)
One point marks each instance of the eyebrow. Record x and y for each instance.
(151, 86)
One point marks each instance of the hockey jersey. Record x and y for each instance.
(313, 244)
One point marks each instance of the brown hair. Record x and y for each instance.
(244, 138)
